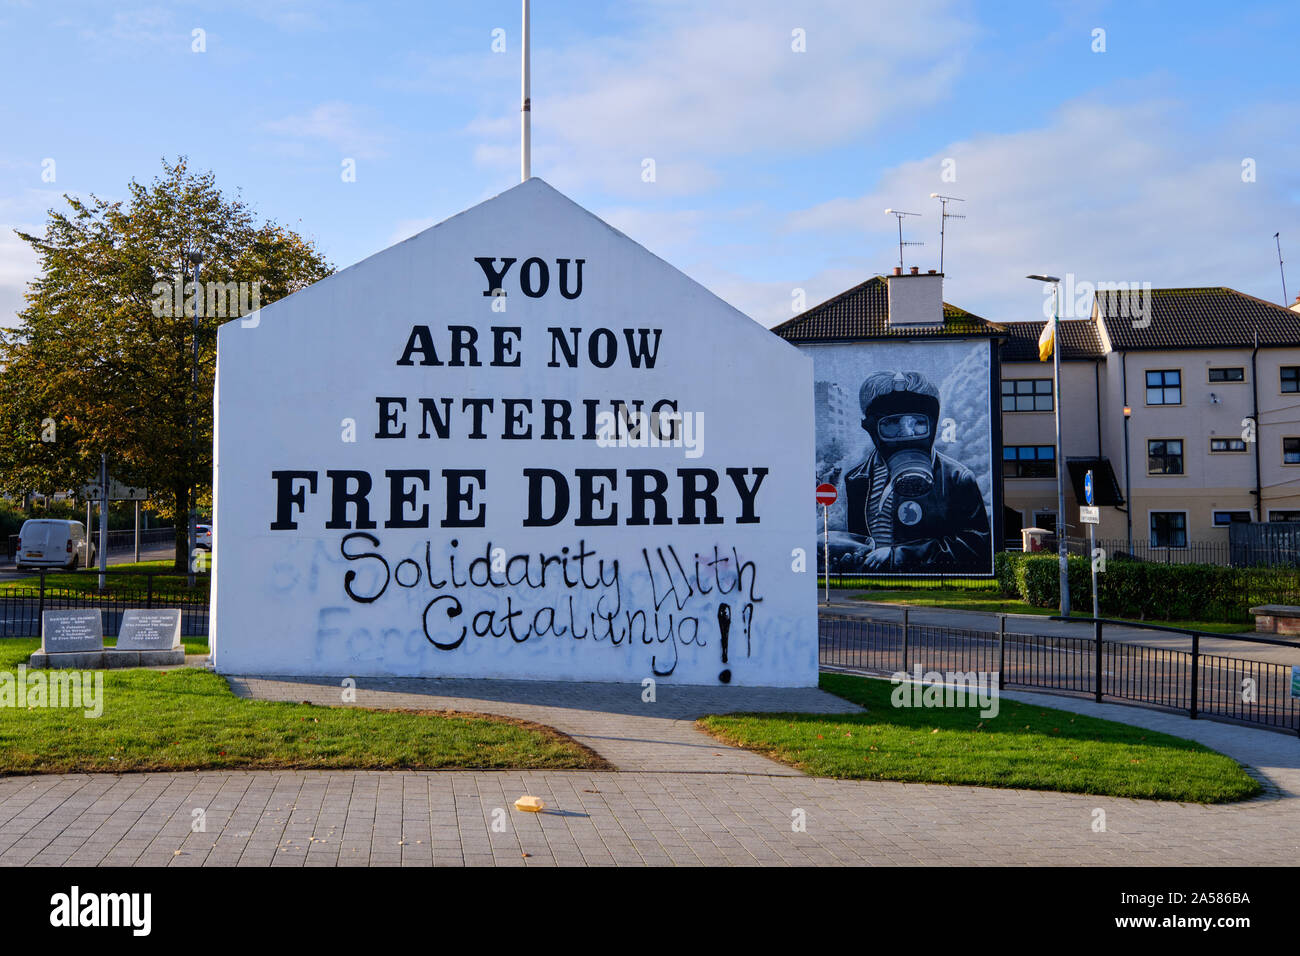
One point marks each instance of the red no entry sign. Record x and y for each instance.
(826, 494)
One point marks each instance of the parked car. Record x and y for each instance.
(203, 536)
(53, 543)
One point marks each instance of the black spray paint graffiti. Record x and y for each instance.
(576, 593)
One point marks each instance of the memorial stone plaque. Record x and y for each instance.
(72, 630)
(151, 630)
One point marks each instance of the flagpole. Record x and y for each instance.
(525, 111)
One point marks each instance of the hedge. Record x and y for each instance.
(1149, 590)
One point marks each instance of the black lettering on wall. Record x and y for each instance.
(454, 610)
(602, 358)
(642, 352)
(388, 417)
(420, 341)
(746, 493)
(341, 497)
(495, 280)
(536, 518)
(461, 496)
(429, 413)
(534, 290)
(503, 348)
(557, 411)
(589, 496)
(401, 498)
(570, 350)
(514, 418)
(564, 278)
(286, 497)
(351, 576)
(693, 495)
(463, 340)
(478, 405)
(641, 495)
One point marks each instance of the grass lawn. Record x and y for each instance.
(1024, 747)
(87, 582)
(188, 719)
(994, 603)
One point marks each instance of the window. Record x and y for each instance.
(1169, 529)
(1224, 518)
(1291, 451)
(1045, 520)
(1227, 444)
(1027, 395)
(1165, 456)
(1237, 374)
(1291, 378)
(1165, 387)
(1284, 516)
(1029, 461)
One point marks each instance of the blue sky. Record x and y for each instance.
(772, 167)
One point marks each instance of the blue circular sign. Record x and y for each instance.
(1087, 488)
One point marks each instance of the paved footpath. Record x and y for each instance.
(680, 798)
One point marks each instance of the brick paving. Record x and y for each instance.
(370, 818)
(684, 807)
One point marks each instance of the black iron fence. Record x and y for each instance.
(1200, 684)
(966, 582)
(21, 606)
(119, 540)
(1251, 545)
(1269, 542)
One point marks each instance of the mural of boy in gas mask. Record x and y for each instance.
(917, 509)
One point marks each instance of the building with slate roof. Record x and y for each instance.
(1210, 378)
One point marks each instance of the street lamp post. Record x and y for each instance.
(1128, 485)
(1062, 545)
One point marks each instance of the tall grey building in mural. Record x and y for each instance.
(906, 427)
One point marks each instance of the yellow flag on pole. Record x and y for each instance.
(1047, 340)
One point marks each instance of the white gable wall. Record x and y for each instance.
(292, 375)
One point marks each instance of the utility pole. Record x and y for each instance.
(1062, 544)
(103, 521)
(196, 257)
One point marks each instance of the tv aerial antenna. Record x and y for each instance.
(944, 217)
(899, 214)
(1277, 237)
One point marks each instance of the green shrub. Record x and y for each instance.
(1147, 590)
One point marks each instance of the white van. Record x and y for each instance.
(52, 543)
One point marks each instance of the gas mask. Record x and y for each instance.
(901, 424)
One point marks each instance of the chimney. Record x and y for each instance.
(915, 299)
(1295, 306)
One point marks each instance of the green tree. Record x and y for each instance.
(102, 360)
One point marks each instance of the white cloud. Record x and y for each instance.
(335, 123)
(18, 266)
(692, 85)
(1139, 193)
